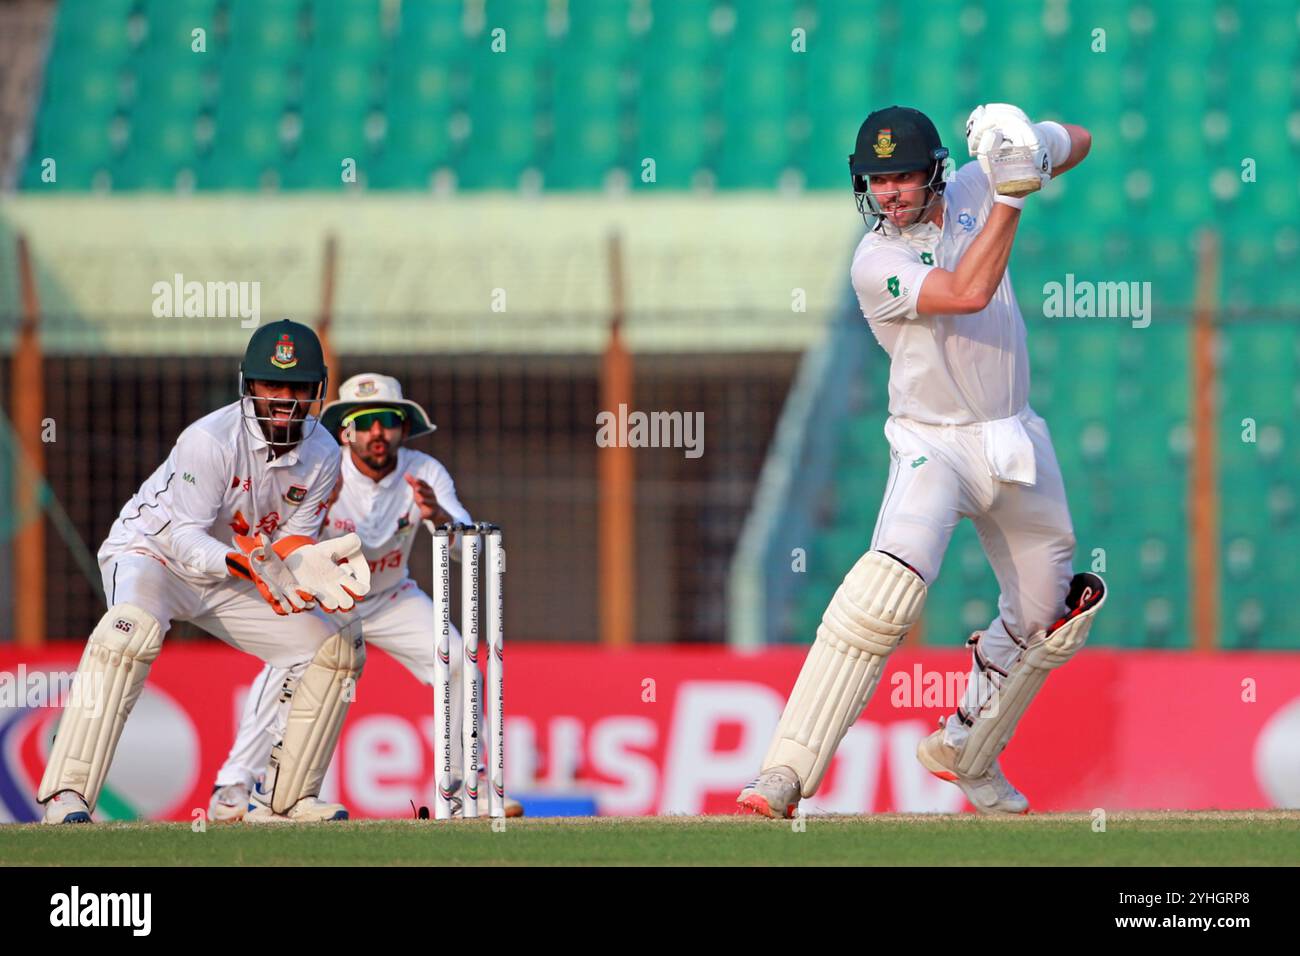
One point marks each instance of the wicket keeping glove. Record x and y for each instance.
(260, 562)
(335, 571)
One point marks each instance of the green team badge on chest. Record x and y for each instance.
(919, 462)
(927, 258)
(892, 285)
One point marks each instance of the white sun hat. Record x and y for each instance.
(372, 390)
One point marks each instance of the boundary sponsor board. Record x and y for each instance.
(681, 730)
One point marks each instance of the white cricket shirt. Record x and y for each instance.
(217, 482)
(944, 369)
(384, 513)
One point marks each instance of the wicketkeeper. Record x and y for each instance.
(931, 277)
(222, 535)
(386, 491)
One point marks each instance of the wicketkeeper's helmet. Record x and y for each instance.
(284, 351)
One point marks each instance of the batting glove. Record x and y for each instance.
(990, 116)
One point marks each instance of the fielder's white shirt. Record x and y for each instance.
(384, 513)
(217, 482)
(944, 369)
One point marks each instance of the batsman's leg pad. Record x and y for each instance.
(113, 669)
(991, 728)
(317, 707)
(872, 610)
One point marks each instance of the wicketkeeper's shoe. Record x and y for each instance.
(306, 810)
(513, 807)
(991, 793)
(229, 803)
(66, 806)
(773, 793)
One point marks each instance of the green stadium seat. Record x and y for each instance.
(755, 155)
(251, 147)
(352, 30)
(500, 149)
(329, 138)
(91, 91)
(162, 137)
(586, 147)
(81, 150)
(242, 174)
(524, 23)
(763, 32)
(502, 84)
(91, 31)
(845, 28)
(431, 33)
(181, 85)
(418, 139)
(250, 86)
(680, 32)
(170, 26)
(678, 150)
(269, 31)
(422, 87)
(344, 87)
(597, 29)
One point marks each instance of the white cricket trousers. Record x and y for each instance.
(399, 621)
(938, 474)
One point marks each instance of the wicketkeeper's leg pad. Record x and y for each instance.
(318, 704)
(113, 669)
(992, 726)
(872, 611)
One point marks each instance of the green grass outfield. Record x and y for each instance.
(1147, 839)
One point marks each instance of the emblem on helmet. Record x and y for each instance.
(884, 145)
(284, 356)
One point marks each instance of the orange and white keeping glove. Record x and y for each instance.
(259, 561)
(335, 572)
(296, 573)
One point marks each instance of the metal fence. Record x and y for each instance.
(516, 431)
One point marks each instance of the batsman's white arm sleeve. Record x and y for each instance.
(1054, 136)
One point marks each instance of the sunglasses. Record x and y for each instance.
(365, 418)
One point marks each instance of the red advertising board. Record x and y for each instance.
(651, 731)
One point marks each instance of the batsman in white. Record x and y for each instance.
(386, 491)
(180, 550)
(931, 277)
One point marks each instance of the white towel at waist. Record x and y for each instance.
(1009, 451)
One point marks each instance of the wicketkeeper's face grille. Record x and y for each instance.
(281, 413)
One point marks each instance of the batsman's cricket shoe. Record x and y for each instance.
(773, 793)
(66, 806)
(306, 810)
(229, 803)
(991, 793)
